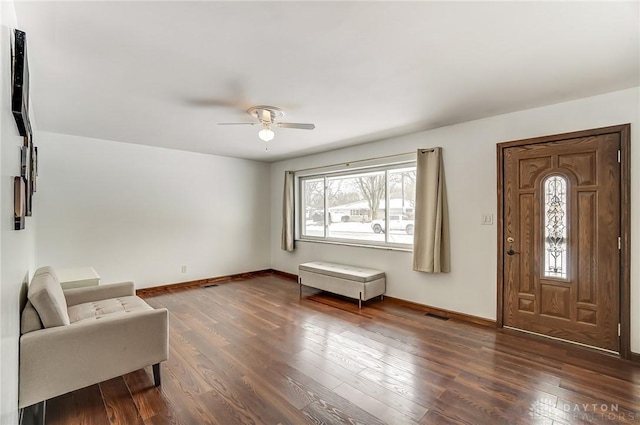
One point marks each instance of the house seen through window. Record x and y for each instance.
(372, 207)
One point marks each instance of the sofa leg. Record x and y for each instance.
(35, 414)
(41, 411)
(360, 301)
(156, 375)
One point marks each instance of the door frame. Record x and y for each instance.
(624, 131)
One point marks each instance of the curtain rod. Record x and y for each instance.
(357, 161)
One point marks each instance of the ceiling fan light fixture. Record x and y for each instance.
(266, 134)
(268, 117)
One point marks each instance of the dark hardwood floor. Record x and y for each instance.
(250, 352)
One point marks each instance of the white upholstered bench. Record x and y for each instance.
(354, 282)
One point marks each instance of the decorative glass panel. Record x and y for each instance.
(555, 227)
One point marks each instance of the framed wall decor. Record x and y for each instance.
(33, 167)
(29, 178)
(24, 186)
(20, 82)
(24, 161)
(19, 203)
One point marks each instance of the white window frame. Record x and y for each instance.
(346, 173)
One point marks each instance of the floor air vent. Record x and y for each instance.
(436, 316)
(209, 285)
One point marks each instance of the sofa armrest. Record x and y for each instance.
(96, 293)
(57, 360)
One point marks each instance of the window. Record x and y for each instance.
(351, 207)
(555, 227)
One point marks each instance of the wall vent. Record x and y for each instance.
(436, 316)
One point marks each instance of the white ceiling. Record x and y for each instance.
(164, 73)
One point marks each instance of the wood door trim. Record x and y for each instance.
(624, 131)
(625, 233)
(500, 223)
(564, 136)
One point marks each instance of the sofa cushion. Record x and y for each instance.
(30, 319)
(47, 298)
(97, 309)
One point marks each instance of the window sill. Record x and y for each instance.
(357, 245)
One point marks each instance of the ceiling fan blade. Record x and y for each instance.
(237, 123)
(296, 125)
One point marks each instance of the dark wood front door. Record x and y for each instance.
(560, 229)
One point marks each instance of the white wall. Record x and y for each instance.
(17, 247)
(469, 151)
(139, 213)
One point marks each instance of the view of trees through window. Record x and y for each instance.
(353, 207)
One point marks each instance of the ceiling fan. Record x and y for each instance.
(268, 117)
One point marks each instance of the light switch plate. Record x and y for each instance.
(486, 219)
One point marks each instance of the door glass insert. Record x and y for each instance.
(555, 227)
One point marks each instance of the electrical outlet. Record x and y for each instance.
(183, 269)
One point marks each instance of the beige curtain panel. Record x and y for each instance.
(431, 233)
(288, 212)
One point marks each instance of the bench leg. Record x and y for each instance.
(156, 375)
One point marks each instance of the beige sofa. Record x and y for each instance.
(78, 337)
